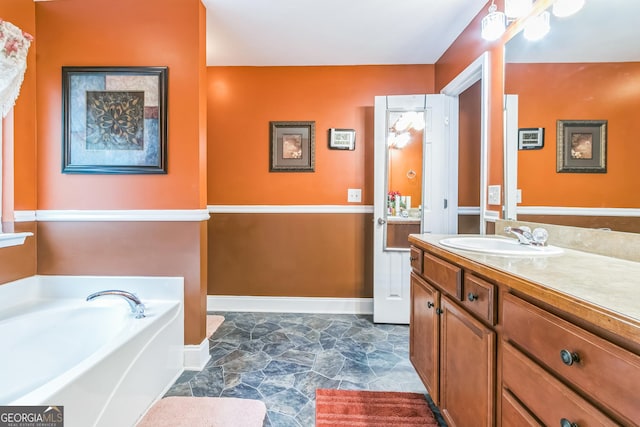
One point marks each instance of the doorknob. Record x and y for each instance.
(382, 221)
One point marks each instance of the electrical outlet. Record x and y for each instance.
(354, 195)
(494, 195)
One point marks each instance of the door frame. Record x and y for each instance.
(478, 70)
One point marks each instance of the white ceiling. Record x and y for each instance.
(333, 32)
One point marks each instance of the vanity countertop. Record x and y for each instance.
(603, 289)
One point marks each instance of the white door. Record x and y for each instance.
(431, 211)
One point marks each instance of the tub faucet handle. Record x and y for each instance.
(137, 307)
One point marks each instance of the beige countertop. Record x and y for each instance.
(612, 284)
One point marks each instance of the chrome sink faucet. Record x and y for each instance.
(526, 237)
(137, 308)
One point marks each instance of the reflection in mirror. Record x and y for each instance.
(586, 68)
(405, 140)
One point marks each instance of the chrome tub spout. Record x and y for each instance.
(137, 308)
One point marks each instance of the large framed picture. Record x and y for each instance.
(114, 120)
(292, 146)
(582, 146)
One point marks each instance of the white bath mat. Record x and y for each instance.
(213, 323)
(205, 412)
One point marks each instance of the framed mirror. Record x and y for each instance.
(586, 69)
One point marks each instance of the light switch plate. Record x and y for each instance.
(494, 195)
(354, 195)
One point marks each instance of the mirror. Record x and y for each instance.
(587, 68)
(405, 141)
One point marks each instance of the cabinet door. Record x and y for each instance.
(423, 334)
(467, 363)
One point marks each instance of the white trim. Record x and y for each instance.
(468, 210)
(24, 216)
(13, 239)
(491, 216)
(290, 304)
(557, 210)
(510, 148)
(122, 215)
(338, 209)
(196, 356)
(478, 70)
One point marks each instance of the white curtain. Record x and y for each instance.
(14, 44)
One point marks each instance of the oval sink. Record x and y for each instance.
(498, 246)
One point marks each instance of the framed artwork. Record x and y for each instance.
(582, 146)
(114, 120)
(292, 146)
(342, 139)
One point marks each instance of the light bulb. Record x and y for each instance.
(537, 27)
(402, 140)
(562, 8)
(494, 24)
(517, 8)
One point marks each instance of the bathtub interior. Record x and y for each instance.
(93, 358)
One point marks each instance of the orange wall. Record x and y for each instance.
(605, 91)
(117, 33)
(242, 101)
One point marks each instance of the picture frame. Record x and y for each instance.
(292, 146)
(530, 138)
(582, 146)
(114, 120)
(342, 139)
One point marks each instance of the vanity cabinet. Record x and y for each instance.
(452, 347)
(495, 349)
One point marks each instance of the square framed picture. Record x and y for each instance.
(342, 139)
(114, 120)
(582, 146)
(292, 146)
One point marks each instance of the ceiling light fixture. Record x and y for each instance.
(494, 24)
(563, 8)
(537, 27)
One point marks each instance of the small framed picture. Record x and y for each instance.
(582, 146)
(342, 139)
(530, 138)
(292, 146)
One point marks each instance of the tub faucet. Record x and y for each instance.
(524, 236)
(137, 308)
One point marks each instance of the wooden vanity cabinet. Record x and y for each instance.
(451, 349)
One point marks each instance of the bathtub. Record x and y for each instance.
(94, 358)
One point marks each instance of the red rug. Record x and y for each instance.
(372, 409)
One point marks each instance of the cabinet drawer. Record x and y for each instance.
(479, 297)
(513, 414)
(604, 371)
(415, 257)
(447, 276)
(543, 395)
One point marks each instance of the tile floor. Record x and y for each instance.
(281, 358)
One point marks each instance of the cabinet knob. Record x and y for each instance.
(439, 311)
(413, 258)
(472, 297)
(430, 304)
(566, 423)
(569, 358)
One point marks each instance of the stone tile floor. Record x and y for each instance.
(281, 358)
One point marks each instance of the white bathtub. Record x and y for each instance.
(94, 358)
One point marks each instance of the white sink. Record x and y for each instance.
(498, 246)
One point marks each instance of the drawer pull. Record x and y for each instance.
(413, 258)
(569, 358)
(472, 297)
(566, 423)
(430, 304)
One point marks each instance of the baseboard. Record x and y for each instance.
(196, 356)
(290, 304)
